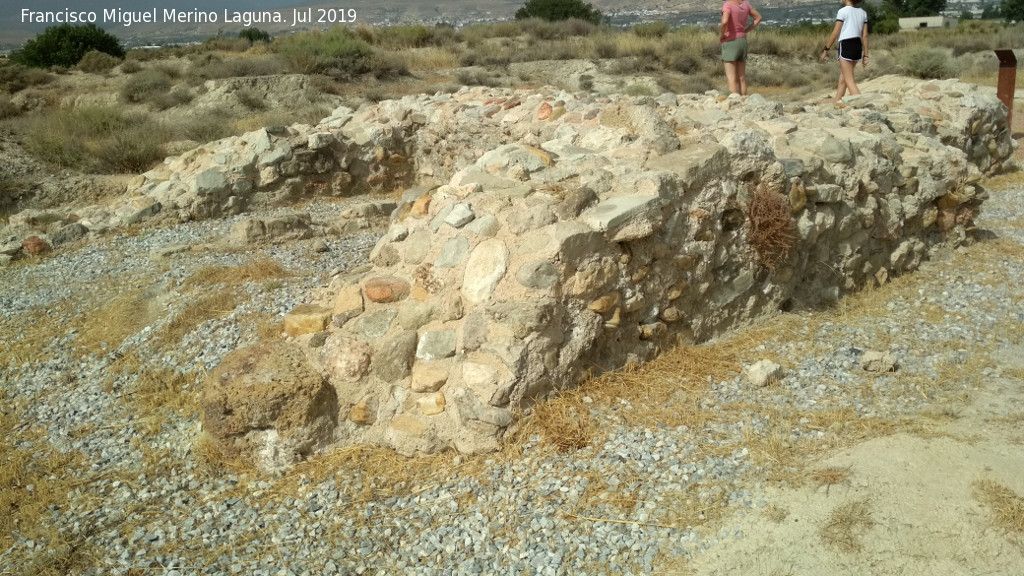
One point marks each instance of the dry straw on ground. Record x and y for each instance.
(1007, 506)
(846, 525)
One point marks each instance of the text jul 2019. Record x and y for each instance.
(194, 16)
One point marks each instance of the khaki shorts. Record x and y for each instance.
(735, 50)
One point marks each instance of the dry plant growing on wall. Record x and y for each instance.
(770, 228)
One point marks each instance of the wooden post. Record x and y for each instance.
(1007, 79)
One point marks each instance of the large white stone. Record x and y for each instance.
(486, 267)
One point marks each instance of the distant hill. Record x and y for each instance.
(14, 32)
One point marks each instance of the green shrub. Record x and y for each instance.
(65, 45)
(559, 10)
(142, 87)
(639, 90)
(254, 35)
(336, 52)
(14, 78)
(1012, 10)
(927, 63)
(98, 62)
(94, 139)
(651, 29)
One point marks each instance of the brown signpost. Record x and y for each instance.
(1007, 79)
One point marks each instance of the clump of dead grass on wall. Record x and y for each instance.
(770, 228)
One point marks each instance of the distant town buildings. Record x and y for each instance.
(928, 22)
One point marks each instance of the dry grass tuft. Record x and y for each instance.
(829, 477)
(256, 270)
(33, 482)
(846, 526)
(206, 307)
(158, 389)
(565, 422)
(775, 513)
(770, 228)
(106, 327)
(1007, 507)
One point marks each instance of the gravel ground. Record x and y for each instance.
(636, 501)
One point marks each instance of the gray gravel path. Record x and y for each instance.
(630, 503)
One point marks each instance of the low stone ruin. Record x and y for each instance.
(542, 234)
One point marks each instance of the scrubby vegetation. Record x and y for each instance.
(157, 97)
(554, 10)
(65, 45)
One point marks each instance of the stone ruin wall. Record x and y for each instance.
(542, 234)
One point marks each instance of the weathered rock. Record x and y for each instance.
(268, 403)
(306, 319)
(386, 289)
(281, 228)
(874, 361)
(345, 359)
(35, 246)
(762, 373)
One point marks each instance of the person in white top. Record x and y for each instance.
(851, 30)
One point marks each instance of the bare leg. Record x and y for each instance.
(741, 74)
(846, 70)
(840, 89)
(730, 75)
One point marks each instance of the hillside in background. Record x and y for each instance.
(14, 32)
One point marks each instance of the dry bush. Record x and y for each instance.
(94, 139)
(430, 59)
(130, 66)
(15, 77)
(388, 65)
(206, 126)
(770, 228)
(7, 110)
(250, 99)
(209, 66)
(97, 62)
(178, 96)
(1006, 505)
(846, 525)
(145, 85)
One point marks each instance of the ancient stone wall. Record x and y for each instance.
(543, 233)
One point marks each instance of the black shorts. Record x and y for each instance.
(850, 49)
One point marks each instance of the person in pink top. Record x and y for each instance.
(732, 33)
